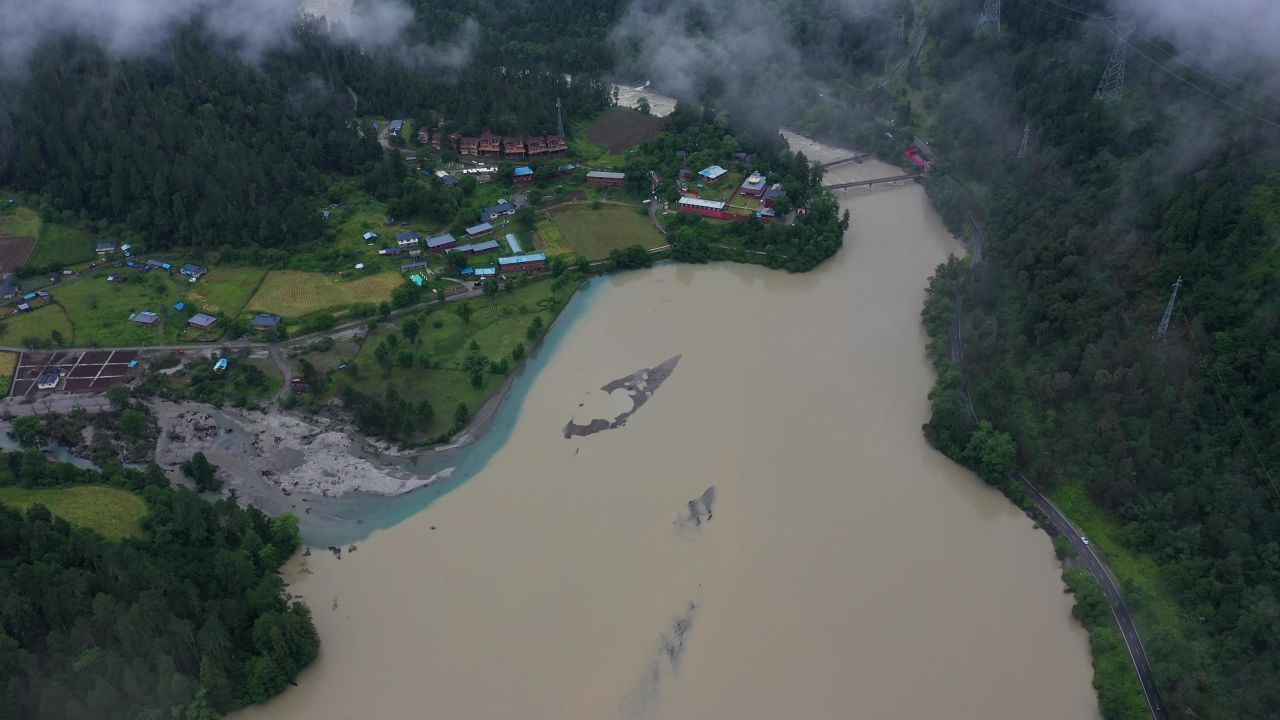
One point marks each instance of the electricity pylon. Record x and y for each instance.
(1111, 87)
(1168, 312)
(1026, 141)
(990, 16)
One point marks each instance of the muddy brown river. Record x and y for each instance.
(840, 569)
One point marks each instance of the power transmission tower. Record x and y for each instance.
(1111, 87)
(902, 29)
(990, 16)
(559, 120)
(1026, 141)
(1168, 312)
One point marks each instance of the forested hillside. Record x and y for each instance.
(1173, 439)
(194, 146)
(186, 621)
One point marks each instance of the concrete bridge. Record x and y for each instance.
(869, 183)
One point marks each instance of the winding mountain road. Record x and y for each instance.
(1087, 556)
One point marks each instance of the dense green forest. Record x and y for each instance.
(1172, 439)
(195, 147)
(186, 621)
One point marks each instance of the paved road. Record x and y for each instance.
(1087, 556)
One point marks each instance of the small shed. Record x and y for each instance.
(265, 321)
(202, 321)
(514, 244)
(478, 230)
(49, 379)
(146, 317)
(105, 247)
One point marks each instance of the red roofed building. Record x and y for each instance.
(513, 147)
(490, 144)
(714, 209)
(536, 145)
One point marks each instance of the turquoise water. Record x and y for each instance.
(355, 516)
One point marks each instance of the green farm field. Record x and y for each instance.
(226, 290)
(291, 293)
(112, 512)
(594, 233)
(61, 245)
(99, 311)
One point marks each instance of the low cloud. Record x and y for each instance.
(250, 28)
(1235, 35)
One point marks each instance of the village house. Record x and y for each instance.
(476, 248)
(49, 379)
(520, 263)
(712, 174)
(469, 146)
(193, 271)
(202, 321)
(490, 144)
(146, 317)
(486, 272)
(556, 145)
(513, 147)
(437, 138)
(407, 238)
(395, 127)
(714, 209)
(389, 251)
(498, 209)
(9, 286)
(104, 247)
(265, 321)
(522, 174)
(536, 146)
(602, 177)
(753, 186)
(482, 229)
(440, 243)
(771, 195)
(159, 265)
(420, 265)
(424, 136)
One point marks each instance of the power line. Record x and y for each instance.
(1187, 82)
(1175, 58)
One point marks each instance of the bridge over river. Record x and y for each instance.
(873, 181)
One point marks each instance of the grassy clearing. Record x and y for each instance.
(551, 241)
(37, 325)
(290, 293)
(61, 245)
(596, 232)
(112, 512)
(20, 221)
(99, 311)
(497, 327)
(225, 289)
(8, 364)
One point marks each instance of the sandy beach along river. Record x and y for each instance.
(840, 569)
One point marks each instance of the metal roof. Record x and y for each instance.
(478, 247)
(481, 272)
(712, 172)
(514, 243)
(699, 202)
(434, 241)
(606, 175)
(523, 170)
(202, 320)
(266, 320)
(407, 237)
(517, 259)
(481, 228)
